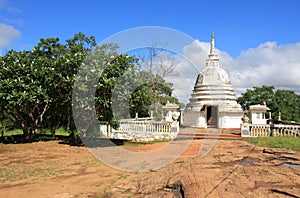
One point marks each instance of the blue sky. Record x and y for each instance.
(258, 41)
(238, 24)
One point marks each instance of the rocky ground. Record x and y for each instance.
(232, 168)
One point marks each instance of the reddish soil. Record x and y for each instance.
(233, 168)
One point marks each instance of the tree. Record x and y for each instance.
(33, 82)
(285, 101)
(151, 90)
(288, 103)
(257, 95)
(158, 61)
(95, 85)
(36, 86)
(25, 91)
(117, 66)
(134, 93)
(74, 52)
(159, 64)
(123, 89)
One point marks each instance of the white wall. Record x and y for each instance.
(197, 119)
(257, 117)
(194, 119)
(230, 121)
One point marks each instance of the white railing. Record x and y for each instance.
(145, 126)
(265, 130)
(145, 130)
(286, 130)
(260, 130)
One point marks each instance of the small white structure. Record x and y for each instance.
(257, 114)
(172, 112)
(213, 102)
(258, 125)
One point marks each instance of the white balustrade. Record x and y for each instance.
(264, 130)
(259, 130)
(145, 130)
(286, 130)
(145, 126)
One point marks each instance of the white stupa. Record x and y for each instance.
(213, 102)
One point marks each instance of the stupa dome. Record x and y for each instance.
(213, 76)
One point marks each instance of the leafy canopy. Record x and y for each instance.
(285, 101)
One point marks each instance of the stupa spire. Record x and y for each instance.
(212, 54)
(213, 60)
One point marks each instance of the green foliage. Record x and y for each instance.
(151, 90)
(95, 84)
(23, 98)
(37, 86)
(33, 82)
(140, 101)
(5, 125)
(58, 131)
(117, 67)
(257, 95)
(13, 132)
(74, 52)
(288, 143)
(288, 103)
(285, 101)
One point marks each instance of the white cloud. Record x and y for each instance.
(8, 34)
(5, 5)
(16, 22)
(267, 64)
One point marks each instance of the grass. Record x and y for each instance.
(136, 144)
(13, 132)
(287, 143)
(158, 141)
(15, 172)
(123, 177)
(133, 144)
(58, 131)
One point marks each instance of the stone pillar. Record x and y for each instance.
(245, 130)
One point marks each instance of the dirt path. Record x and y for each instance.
(231, 169)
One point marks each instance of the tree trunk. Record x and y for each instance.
(69, 121)
(3, 131)
(29, 135)
(25, 132)
(32, 134)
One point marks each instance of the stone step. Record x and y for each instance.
(213, 134)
